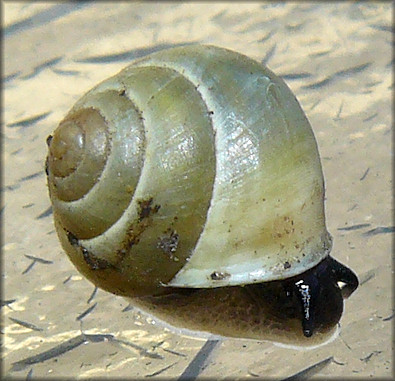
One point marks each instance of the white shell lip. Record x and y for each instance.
(247, 272)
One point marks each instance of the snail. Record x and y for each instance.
(191, 183)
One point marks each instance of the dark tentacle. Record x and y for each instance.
(343, 274)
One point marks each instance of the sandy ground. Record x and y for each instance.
(337, 60)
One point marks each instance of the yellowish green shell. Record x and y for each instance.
(193, 167)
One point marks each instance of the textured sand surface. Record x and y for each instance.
(336, 58)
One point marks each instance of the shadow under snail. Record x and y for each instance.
(191, 183)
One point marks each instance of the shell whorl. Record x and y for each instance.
(153, 184)
(193, 167)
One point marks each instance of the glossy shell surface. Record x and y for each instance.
(193, 167)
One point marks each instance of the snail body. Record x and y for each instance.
(193, 175)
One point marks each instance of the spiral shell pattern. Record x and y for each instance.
(192, 167)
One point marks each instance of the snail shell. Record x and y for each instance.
(191, 171)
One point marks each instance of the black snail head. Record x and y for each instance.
(303, 310)
(320, 295)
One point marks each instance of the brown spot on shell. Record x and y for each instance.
(72, 239)
(133, 235)
(169, 243)
(137, 227)
(287, 265)
(93, 262)
(219, 275)
(146, 208)
(49, 139)
(46, 167)
(283, 226)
